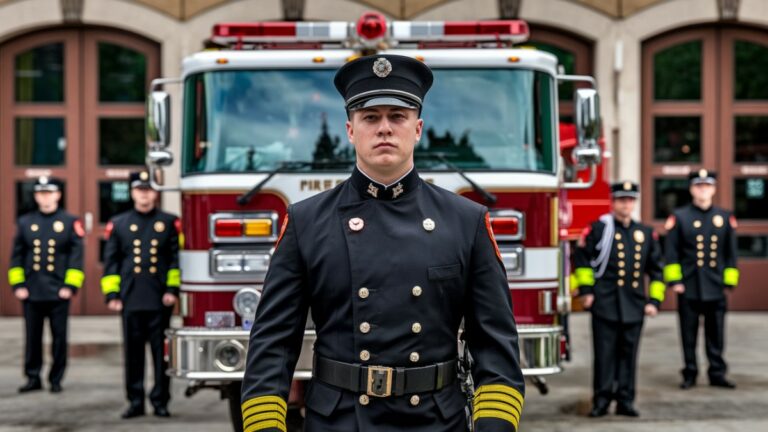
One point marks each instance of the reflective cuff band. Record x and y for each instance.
(174, 278)
(574, 282)
(110, 284)
(673, 273)
(656, 290)
(498, 401)
(585, 276)
(731, 276)
(74, 278)
(264, 412)
(16, 276)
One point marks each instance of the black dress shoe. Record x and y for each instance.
(133, 411)
(56, 388)
(599, 411)
(31, 385)
(688, 383)
(162, 411)
(626, 410)
(722, 383)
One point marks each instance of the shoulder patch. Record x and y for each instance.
(490, 235)
(282, 230)
(734, 223)
(78, 226)
(108, 230)
(655, 235)
(583, 237)
(177, 224)
(670, 223)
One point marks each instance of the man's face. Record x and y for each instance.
(144, 197)
(47, 200)
(384, 138)
(624, 206)
(703, 191)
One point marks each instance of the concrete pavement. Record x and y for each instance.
(93, 393)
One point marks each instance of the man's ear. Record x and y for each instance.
(419, 129)
(350, 131)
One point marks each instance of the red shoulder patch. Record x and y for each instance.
(583, 237)
(655, 235)
(282, 230)
(490, 235)
(108, 230)
(79, 230)
(733, 222)
(177, 224)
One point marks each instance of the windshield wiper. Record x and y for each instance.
(489, 198)
(289, 166)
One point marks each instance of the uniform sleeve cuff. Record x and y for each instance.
(655, 303)
(112, 296)
(586, 290)
(71, 288)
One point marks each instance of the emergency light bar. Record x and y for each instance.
(372, 26)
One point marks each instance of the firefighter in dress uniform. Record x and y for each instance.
(389, 265)
(701, 252)
(614, 255)
(46, 271)
(141, 280)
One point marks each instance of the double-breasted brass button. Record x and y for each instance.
(713, 238)
(153, 242)
(50, 267)
(137, 259)
(621, 264)
(51, 258)
(638, 256)
(51, 242)
(713, 263)
(699, 246)
(414, 357)
(700, 254)
(36, 258)
(635, 284)
(36, 267)
(137, 269)
(364, 399)
(153, 269)
(36, 242)
(153, 259)
(51, 250)
(636, 274)
(638, 248)
(700, 263)
(415, 400)
(699, 238)
(363, 293)
(137, 251)
(620, 246)
(637, 266)
(622, 273)
(365, 355)
(416, 327)
(365, 327)
(416, 291)
(621, 255)
(36, 251)
(620, 282)
(137, 242)
(713, 254)
(153, 251)
(617, 236)
(713, 246)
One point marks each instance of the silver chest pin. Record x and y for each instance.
(428, 224)
(356, 224)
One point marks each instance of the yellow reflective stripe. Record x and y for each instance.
(16, 275)
(258, 418)
(496, 414)
(267, 424)
(731, 276)
(174, 278)
(264, 400)
(656, 290)
(585, 276)
(110, 284)
(74, 277)
(508, 402)
(264, 408)
(574, 282)
(673, 273)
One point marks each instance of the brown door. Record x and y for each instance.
(705, 105)
(72, 106)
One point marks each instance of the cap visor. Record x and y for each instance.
(46, 188)
(384, 101)
(703, 181)
(625, 195)
(141, 184)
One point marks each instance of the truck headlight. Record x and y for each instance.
(513, 260)
(240, 262)
(245, 302)
(229, 355)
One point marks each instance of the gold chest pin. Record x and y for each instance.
(639, 236)
(159, 226)
(718, 221)
(356, 224)
(58, 226)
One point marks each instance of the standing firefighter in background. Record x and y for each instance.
(141, 280)
(613, 256)
(46, 270)
(701, 262)
(389, 265)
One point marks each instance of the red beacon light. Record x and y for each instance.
(372, 25)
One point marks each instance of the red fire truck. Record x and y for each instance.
(263, 127)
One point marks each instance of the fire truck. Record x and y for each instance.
(263, 127)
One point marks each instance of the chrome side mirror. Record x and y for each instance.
(587, 116)
(158, 119)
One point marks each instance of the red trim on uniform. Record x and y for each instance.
(734, 223)
(583, 237)
(490, 235)
(79, 230)
(177, 224)
(108, 230)
(282, 230)
(655, 235)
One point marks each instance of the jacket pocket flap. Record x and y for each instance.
(450, 401)
(321, 398)
(444, 272)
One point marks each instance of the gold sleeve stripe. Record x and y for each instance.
(16, 275)
(585, 276)
(264, 408)
(110, 284)
(74, 277)
(500, 388)
(512, 405)
(673, 273)
(500, 406)
(656, 290)
(258, 418)
(267, 424)
(731, 276)
(497, 415)
(174, 278)
(264, 400)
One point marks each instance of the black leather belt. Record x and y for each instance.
(383, 381)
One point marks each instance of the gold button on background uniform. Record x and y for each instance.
(635, 284)
(51, 258)
(621, 255)
(365, 327)
(51, 250)
(153, 251)
(700, 263)
(415, 400)
(362, 292)
(713, 238)
(414, 357)
(713, 264)
(637, 265)
(416, 327)
(153, 242)
(365, 355)
(699, 246)
(51, 242)
(638, 248)
(636, 274)
(137, 242)
(50, 267)
(622, 273)
(153, 259)
(621, 264)
(620, 246)
(137, 269)
(36, 242)
(364, 399)
(617, 236)
(638, 257)
(36, 267)
(36, 258)
(137, 260)
(36, 251)
(620, 282)
(137, 251)
(700, 254)
(699, 238)
(153, 269)
(416, 291)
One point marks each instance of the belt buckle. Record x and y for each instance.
(379, 381)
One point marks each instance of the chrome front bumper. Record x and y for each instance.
(204, 354)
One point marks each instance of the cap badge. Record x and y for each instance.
(397, 190)
(356, 224)
(639, 236)
(373, 190)
(159, 226)
(144, 176)
(43, 180)
(718, 221)
(58, 226)
(703, 173)
(627, 186)
(382, 67)
(428, 224)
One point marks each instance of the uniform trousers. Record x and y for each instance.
(690, 312)
(139, 329)
(35, 313)
(615, 360)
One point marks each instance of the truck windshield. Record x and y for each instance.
(255, 120)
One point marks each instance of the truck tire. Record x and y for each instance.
(232, 393)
